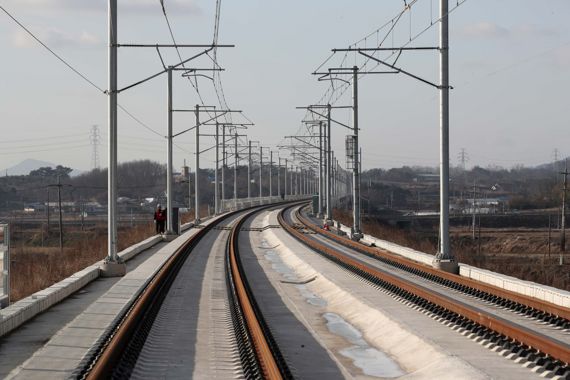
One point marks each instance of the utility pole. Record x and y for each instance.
(236, 161)
(285, 179)
(292, 180)
(223, 165)
(473, 211)
(249, 170)
(189, 189)
(169, 169)
(444, 259)
(278, 175)
(333, 171)
(328, 167)
(60, 214)
(197, 165)
(320, 211)
(47, 212)
(216, 182)
(82, 210)
(260, 172)
(360, 185)
(295, 180)
(112, 266)
(563, 220)
(270, 174)
(299, 181)
(356, 233)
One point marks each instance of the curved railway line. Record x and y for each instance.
(525, 329)
(117, 354)
(532, 332)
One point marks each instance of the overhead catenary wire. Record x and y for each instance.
(391, 25)
(60, 58)
(76, 71)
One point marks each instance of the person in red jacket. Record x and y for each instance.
(160, 219)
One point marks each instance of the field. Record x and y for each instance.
(36, 259)
(34, 267)
(524, 253)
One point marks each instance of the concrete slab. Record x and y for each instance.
(542, 292)
(44, 374)
(306, 355)
(87, 324)
(35, 333)
(192, 336)
(425, 348)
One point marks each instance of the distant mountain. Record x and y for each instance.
(26, 166)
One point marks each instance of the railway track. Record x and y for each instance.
(532, 332)
(136, 341)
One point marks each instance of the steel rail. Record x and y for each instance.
(113, 350)
(269, 358)
(103, 359)
(553, 348)
(543, 306)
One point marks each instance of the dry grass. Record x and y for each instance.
(496, 253)
(36, 268)
(393, 234)
(188, 217)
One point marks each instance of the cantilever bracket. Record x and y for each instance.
(399, 70)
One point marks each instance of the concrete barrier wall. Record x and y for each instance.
(241, 203)
(528, 288)
(19, 312)
(531, 289)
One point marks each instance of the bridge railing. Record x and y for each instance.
(240, 203)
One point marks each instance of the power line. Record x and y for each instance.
(40, 138)
(59, 144)
(76, 71)
(139, 121)
(82, 76)
(391, 24)
(3, 153)
(195, 86)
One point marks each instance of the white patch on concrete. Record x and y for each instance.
(370, 360)
(417, 357)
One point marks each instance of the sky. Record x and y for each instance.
(509, 67)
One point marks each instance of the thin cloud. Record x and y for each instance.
(532, 30)
(562, 56)
(484, 29)
(55, 38)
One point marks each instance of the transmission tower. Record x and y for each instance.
(555, 158)
(463, 158)
(94, 139)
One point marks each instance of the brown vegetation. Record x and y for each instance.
(34, 267)
(519, 253)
